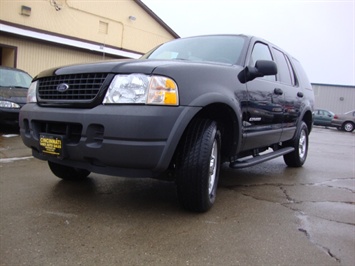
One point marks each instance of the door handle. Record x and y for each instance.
(300, 94)
(278, 91)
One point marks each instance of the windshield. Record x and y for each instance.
(222, 49)
(13, 78)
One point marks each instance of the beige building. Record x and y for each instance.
(41, 34)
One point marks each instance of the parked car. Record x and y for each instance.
(14, 84)
(345, 121)
(322, 117)
(177, 113)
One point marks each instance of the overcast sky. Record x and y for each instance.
(320, 34)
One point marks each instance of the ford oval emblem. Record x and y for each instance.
(62, 87)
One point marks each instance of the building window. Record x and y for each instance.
(103, 27)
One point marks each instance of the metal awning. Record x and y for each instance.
(67, 41)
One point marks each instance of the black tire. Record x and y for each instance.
(348, 126)
(67, 172)
(197, 166)
(298, 157)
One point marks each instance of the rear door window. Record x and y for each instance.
(283, 68)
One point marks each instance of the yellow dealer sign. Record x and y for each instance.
(51, 144)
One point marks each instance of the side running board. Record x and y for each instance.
(260, 158)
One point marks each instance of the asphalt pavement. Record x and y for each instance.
(269, 214)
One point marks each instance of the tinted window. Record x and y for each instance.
(301, 75)
(261, 52)
(292, 72)
(282, 67)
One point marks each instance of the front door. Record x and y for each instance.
(262, 124)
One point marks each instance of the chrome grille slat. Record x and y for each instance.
(82, 87)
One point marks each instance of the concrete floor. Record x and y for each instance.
(265, 215)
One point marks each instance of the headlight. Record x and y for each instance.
(139, 88)
(7, 104)
(31, 93)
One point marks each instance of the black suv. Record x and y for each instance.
(179, 112)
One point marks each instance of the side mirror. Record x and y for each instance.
(262, 68)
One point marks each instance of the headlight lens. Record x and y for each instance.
(128, 89)
(31, 93)
(143, 89)
(7, 104)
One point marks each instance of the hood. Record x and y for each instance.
(145, 66)
(116, 66)
(17, 95)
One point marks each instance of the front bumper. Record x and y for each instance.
(9, 115)
(125, 140)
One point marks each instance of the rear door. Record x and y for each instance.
(286, 83)
(322, 118)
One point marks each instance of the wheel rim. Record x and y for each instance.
(302, 146)
(348, 127)
(213, 168)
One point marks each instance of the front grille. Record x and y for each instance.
(82, 87)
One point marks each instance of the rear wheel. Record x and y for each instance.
(67, 172)
(197, 166)
(298, 157)
(348, 126)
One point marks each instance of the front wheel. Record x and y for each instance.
(67, 172)
(298, 157)
(197, 165)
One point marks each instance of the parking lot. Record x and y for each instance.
(264, 215)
